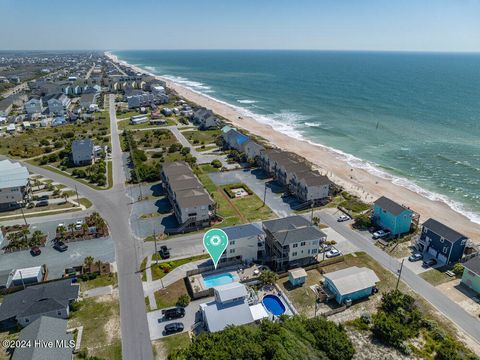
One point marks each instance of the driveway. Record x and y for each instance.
(256, 181)
(191, 316)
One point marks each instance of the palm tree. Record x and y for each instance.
(36, 238)
(61, 230)
(99, 264)
(316, 221)
(88, 261)
(84, 228)
(71, 227)
(268, 277)
(25, 232)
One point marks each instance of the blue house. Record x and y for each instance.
(441, 242)
(59, 120)
(350, 284)
(235, 140)
(389, 215)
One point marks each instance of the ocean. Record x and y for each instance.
(413, 118)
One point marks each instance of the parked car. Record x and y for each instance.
(78, 224)
(415, 257)
(343, 218)
(173, 328)
(164, 252)
(429, 263)
(173, 313)
(325, 247)
(60, 225)
(381, 234)
(42, 203)
(333, 253)
(60, 246)
(35, 251)
(44, 197)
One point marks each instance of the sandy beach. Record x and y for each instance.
(356, 181)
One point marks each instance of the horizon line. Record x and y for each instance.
(266, 49)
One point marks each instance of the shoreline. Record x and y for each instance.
(356, 180)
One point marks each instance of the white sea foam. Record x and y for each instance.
(288, 122)
(247, 101)
(311, 124)
(152, 69)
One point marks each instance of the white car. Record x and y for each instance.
(333, 253)
(343, 218)
(380, 234)
(60, 225)
(78, 224)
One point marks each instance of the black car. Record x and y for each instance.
(60, 246)
(174, 313)
(163, 252)
(429, 263)
(35, 251)
(42, 203)
(173, 328)
(44, 197)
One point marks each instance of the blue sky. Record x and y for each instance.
(405, 25)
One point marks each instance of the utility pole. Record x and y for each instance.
(311, 214)
(399, 274)
(264, 195)
(23, 214)
(155, 241)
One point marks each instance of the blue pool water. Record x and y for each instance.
(273, 304)
(220, 279)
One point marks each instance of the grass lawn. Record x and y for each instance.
(109, 174)
(201, 136)
(208, 168)
(100, 318)
(99, 281)
(168, 296)
(302, 297)
(206, 148)
(252, 208)
(65, 173)
(85, 202)
(154, 139)
(175, 342)
(158, 272)
(7, 335)
(436, 277)
(125, 124)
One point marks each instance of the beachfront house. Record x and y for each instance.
(389, 215)
(230, 307)
(192, 205)
(441, 242)
(351, 284)
(14, 184)
(205, 119)
(291, 242)
(235, 140)
(82, 152)
(46, 299)
(286, 168)
(246, 243)
(310, 186)
(253, 150)
(45, 330)
(471, 274)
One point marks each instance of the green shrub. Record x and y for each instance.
(183, 300)
(216, 163)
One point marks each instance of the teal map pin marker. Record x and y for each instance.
(215, 241)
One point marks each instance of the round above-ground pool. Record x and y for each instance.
(273, 304)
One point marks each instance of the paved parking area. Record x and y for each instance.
(191, 316)
(342, 244)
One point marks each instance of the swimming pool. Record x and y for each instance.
(273, 304)
(219, 279)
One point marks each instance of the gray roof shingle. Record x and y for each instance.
(443, 230)
(390, 205)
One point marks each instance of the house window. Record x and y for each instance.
(463, 242)
(302, 243)
(442, 240)
(295, 245)
(59, 313)
(314, 251)
(26, 320)
(232, 251)
(294, 253)
(232, 242)
(445, 249)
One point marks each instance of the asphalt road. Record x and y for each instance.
(442, 303)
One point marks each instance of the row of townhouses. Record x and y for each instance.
(139, 98)
(57, 104)
(192, 204)
(287, 168)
